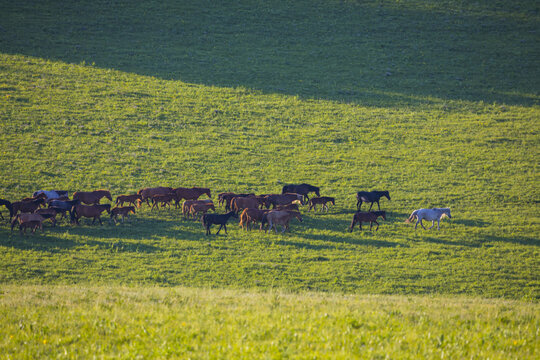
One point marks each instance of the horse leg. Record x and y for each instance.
(220, 226)
(378, 205)
(370, 206)
(225, 227)
(359, 205)
(432, 224)
(438, 227)
(377, 225)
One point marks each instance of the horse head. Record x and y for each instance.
(387, 194)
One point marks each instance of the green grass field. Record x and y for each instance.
(437, 103)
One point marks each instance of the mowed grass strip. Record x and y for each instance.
(151, 322)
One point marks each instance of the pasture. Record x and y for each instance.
(437, 103)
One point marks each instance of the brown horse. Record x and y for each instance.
(92, 197)
(186, 205)
(34, 224)
(240, 203)
(323, 200)
(26, 217)
(200, 208)
(91, 211)
(50, 212)
(163, 199)
(249, 216)
(147, 193)
(26, 206)
(189, 194)
(282, 199)
(288, 207)
(130, 199)
(122, 211)
(370, 217)
(278, 217)
(228, 197)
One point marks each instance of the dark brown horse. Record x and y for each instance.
(163, 199)
(26, 206)
(282, 199)
(370, 217)
(323, 201)
(240, 203)
(92, 197)
(91, 211)
(302, 189)
(122, 211)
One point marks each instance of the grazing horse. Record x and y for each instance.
(8, 205)
(278, 217)
(218, 219)
(322, 200)
(370, 197)
(302, 189)
(122, 211)
(429, 215)
(370, 217)
(92, 197)
(131, 199)
(89, 211)
(147, 193)
(250, 215)
(51, 194)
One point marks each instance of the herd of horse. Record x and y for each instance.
(269, 210)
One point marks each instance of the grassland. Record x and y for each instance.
(435, 102)
(168, 323)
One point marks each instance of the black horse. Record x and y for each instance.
(218, 219)
(7, 204)
(63, 206)
(302, 189)
(370, 197)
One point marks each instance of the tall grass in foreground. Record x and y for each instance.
(117, 322)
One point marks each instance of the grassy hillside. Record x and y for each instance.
(74, 322)
(436, 103)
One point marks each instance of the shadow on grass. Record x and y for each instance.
(367, 52)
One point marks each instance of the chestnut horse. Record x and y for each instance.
(189, 194)
(131, 199)
(249, 216)
(147, 193)
(92, 197)
(26, 206)
(164, 199)
(27, 217)
(186, 205)
(200, 208)
(370, 217)
(240, 203)
(91, 211)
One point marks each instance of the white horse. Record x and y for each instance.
(429, 215)
(51, 194)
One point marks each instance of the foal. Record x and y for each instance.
(123, 211)
(218, 219)
(323, 200)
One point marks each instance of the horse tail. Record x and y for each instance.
(411, 218)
